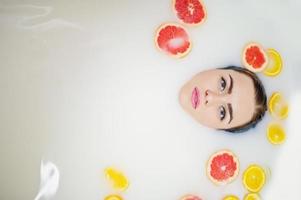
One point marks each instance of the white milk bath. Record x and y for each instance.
(82, 85)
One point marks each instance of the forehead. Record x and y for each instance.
(242, 97)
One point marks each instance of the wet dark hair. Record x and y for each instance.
(260, 98)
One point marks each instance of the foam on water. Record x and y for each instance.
(83, 85)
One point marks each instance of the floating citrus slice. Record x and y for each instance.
(173, 39)
(278, 107)
(222, 167)
(254, 57)
(230, 197)
(118, 178)
(275, 133)
(113, 197)
(191, 197)
(254, 178)
(190, 11)
(252, 196)
(275, 63)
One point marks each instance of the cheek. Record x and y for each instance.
(208, 116)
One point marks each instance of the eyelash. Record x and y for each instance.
(222, 113)
(223, 84)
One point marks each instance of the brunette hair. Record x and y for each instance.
(260, 99)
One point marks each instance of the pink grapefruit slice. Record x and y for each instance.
(222, 167)
(190, 11)
(173, 39)
(254, 57)
(190, 197)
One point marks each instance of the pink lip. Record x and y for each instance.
(195, 98)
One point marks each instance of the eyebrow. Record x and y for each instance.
(230, 112)
(231, 85)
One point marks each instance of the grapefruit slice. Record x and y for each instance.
(275, 133)
(278, 106)
(254, 58)
(254, 178)
(113, 197)
(173, 39)
(190, 11)
(190, 197)
(117, 178)
(222, 167)
(252, 196)
(230, 197)
(275, 63)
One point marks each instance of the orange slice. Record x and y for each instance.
(230, 197)
(254, 178)
(278, 106)
(113, 197)
(275, 63)
(275, 133)
(252, 196)
(118, 179)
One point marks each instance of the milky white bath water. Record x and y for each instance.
(83, 85)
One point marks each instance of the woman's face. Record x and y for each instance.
(219, 99)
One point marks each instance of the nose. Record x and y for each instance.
(213, 98)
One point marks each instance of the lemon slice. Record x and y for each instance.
(254, 178)
(113, 197)
(278, 107)
(118, 178)
(230, 197)
(275, 133)
(252, 196)
(275, 63)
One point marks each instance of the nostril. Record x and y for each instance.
(206, 102)
(206, 92)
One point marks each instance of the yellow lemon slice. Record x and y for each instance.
(230, 197)
(254, 178)
(113, 197)
(118, 178)
(278, 107)
(252, 196)
(275, 133)
(275, 63)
